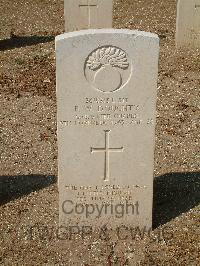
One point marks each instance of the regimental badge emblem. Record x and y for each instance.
(108, 69)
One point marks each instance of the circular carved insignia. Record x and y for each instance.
(107, 69)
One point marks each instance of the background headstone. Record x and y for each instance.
(106, 100)
(188, 24)
(86, 14)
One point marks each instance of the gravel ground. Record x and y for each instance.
(28, 169)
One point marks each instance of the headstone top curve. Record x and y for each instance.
(105, 31)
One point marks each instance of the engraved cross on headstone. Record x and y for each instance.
(107, 151)
(88, 6)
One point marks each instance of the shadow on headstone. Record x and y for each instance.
(21, 41)
(13, 187)
(174, 194)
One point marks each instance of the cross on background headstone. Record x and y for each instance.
(89, 7)
(107, 151)
(85, 14)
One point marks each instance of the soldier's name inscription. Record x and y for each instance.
(108, 111)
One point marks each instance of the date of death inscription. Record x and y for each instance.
(106, 112)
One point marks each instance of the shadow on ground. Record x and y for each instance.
(13, 187)
(21, 41)
(174, 194)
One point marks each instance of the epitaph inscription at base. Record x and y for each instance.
(106, 100)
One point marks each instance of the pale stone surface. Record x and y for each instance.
(188, 24)
(87, 14)
(106, 99)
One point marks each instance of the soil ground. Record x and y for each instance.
(28, 169)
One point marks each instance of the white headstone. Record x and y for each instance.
(86, 14)
(188, 24)
(106, 100)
